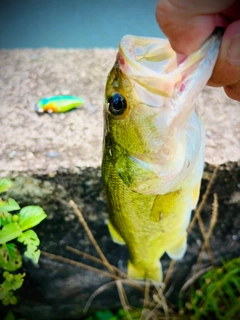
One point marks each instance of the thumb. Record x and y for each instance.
(187, 27)
(227, 69)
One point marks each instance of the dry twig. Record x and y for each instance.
(146, 293)
(198, 211)
(121, 291)
(94, 259)
(77, 264)
(129, 282)
(204, 199)
(169, 273)
(90, 235)
(96, 293)
(206, 243)
(123, 299)
(193, 279)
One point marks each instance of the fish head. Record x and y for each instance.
(152, 133)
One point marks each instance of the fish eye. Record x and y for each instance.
(117, 104)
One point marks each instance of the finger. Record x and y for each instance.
(233, 91)
(232, 12)
(187, 23)
(227, 69)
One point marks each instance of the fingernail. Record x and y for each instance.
(233, 54)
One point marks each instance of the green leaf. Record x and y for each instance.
(10, 257)
(11, 283)
(33, 255)
(104, 315)
(31, 240)
(10, 316)
(121, 313)
(10, 232)
(5, 218)
(5, 184)
(30, 216)
(10, 205)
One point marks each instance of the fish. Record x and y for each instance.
(153, 148)
(58, 104)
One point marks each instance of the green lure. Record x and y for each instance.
(58, 104)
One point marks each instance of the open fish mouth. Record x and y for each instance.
(152, 64)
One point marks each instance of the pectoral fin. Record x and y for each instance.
(178, 249)
(114, 234)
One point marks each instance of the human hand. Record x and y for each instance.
(188, 23)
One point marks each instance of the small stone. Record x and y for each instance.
(235, 198)
(199, 242)
(51, 174)
(53, 154)
(30, 155)
(11, 154)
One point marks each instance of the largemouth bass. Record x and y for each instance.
(153, 148)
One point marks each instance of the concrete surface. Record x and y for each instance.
(49, 143)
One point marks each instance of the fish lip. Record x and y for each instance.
(173, 75)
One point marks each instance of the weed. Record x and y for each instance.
(16, 226)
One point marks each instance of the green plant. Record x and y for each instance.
(16, 227)
(118, 315)
(11, 316)
(218, 296)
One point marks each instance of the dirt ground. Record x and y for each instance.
(49, 143)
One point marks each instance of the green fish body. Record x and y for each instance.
(58, 104)
(153, 152)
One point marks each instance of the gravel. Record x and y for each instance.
(50, 143)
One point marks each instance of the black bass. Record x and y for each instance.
(153, 148)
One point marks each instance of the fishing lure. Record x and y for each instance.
(58, 104)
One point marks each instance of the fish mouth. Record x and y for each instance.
(152, 64)
(165, 91)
